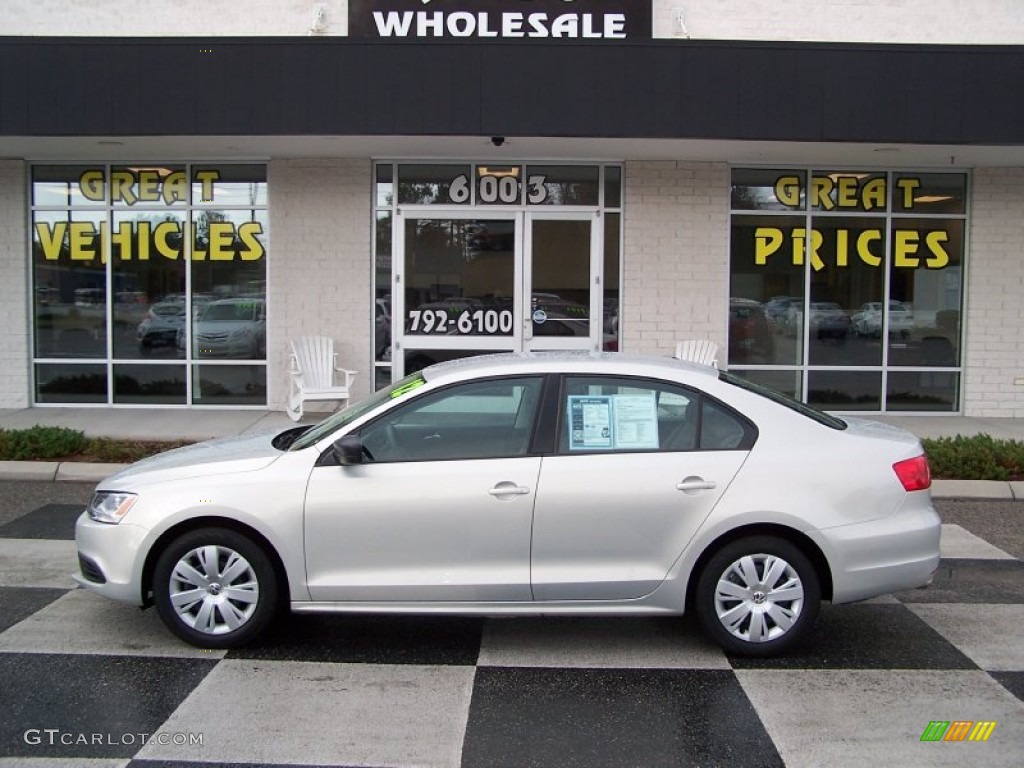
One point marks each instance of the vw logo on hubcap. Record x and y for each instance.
(759, 597)
(214, 589)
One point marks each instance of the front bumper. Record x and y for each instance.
(113, 552)
(890, 554)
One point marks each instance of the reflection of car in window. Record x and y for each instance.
(867, 321)
(750, 335)
(88, 297)
(160, 325)
(231, 328)
(828, 321)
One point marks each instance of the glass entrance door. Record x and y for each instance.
(561, 281)
(473, 283)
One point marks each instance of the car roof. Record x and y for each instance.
(509, 363)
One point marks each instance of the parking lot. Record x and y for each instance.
(92, 683)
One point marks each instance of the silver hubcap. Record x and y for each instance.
(759, 598)
(214, 589)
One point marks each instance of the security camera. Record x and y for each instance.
(497, 140)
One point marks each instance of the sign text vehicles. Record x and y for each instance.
(145, 240)
(558, 20)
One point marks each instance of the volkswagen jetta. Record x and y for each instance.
(526, 484)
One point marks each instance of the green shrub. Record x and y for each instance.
(106, 449)
(980, 457)
(40, 442)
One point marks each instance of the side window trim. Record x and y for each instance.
(545, 428)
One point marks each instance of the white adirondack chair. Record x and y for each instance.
(700, 351)
(311, 370)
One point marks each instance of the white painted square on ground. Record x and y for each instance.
(324, 714)
(83, 622)
(958, 542)
(609, 643)
(992, 636)
(37, 563)
(876, 717)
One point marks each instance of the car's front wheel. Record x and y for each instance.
(215, 588)
(758, 596)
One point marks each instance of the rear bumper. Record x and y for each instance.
(896, 552)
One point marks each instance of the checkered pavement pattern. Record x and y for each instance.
(87, 682)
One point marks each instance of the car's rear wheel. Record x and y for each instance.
(215, 588)
(758, 596)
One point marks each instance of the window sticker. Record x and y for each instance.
(590, 423)
(636, 421)
(613, 422)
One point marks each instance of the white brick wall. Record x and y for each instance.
(995, 295)
(14, 367)
(319, 266)
(676, 255)
(903, 21)
(978, 22)
(161, 18)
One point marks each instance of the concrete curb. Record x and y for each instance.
(57, 471)
(85, 472)
(977, 489)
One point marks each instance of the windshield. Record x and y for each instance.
(777, 397)
(348, 415)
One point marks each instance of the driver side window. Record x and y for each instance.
(477, 420)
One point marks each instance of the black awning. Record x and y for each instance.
(677, 89)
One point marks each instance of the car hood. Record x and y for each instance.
(243, 453)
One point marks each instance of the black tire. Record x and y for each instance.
(207, 621)
(757, 622)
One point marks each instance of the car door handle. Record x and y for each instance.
(507, 490)
(694, 484)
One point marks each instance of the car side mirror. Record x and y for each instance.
(348, 450)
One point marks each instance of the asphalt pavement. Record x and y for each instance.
(89, 683)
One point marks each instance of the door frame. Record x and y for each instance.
(522, 323)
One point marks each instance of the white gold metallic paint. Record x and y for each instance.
(605, 533)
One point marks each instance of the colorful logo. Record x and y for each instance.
(958, 730)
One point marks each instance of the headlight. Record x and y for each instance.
(110, 506)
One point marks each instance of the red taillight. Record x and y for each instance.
(914, 473)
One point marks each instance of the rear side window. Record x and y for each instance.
(602, 414)
(777, 397)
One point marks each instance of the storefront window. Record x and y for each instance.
(850, 281)
(563, 184)
(149, 268)
(435, 184)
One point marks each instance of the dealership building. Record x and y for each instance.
(833, 192)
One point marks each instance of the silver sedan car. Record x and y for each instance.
(571, 484)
